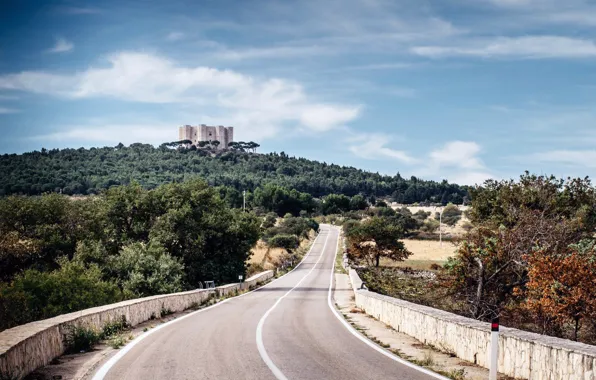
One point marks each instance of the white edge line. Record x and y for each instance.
(259, 335)
(366, 340)
(103, 371)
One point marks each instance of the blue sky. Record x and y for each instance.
(456, 89)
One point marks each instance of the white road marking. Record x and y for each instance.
(276, 371)
(103, 371)
(366, 340)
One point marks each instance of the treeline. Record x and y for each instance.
(60, 254)
(88, 171)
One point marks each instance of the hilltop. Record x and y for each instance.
(89, 171)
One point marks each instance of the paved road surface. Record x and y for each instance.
(285, 330)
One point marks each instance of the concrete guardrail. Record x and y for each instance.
(25, 348)
(522, 354)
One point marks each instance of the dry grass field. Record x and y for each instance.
(424, 254)
(261, 254)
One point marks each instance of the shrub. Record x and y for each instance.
(37, 295)
(114, 327)
(146, 269)
(288, 242)
(80, 338)
(451, 214)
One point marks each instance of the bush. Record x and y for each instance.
(37, 295)
(288, 242)
(146, 269)
(430, 225)
(451, 214)
(114, 327)
(79, 338)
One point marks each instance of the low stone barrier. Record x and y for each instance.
(25, 348)
(522, 354)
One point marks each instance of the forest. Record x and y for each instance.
(89, 171)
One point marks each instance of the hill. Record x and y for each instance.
(88, 171)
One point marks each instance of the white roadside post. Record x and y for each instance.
(494, 349)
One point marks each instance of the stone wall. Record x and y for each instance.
(522, 354)
(27, 347)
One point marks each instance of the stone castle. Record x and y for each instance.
(224, 135)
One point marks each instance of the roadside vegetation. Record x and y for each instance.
(60, 255)
(528, 258)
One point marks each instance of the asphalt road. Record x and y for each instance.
(285, 330)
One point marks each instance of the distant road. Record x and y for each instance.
(285, 330)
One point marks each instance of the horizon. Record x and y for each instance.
(457, 90)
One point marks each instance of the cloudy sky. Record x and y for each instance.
(456, 89)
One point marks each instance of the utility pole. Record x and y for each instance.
(440, 228)
(243, 200)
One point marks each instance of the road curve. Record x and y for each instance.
(284, 330)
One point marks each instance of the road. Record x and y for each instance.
(284, 330)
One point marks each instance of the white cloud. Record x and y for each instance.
(147, 78)
(61, 46)
(175, 36)
(458, 162)
(113, 133)
(528, 47)
(581, 158)
(457, 154)
(373, 146)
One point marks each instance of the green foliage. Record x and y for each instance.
(451, 214)
(114, 327)
(377, 237)
(358, 202)
(88, 171)
(36, 295)
(269, 220)
(499, 202)
(280, 200)
(126, 242)
(288, 242)
(430, 225)
(335, 204)
(80, 338)
(146, 269)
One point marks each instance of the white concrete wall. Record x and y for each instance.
(522, 354)
(27, 347)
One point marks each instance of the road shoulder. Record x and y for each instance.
(398, 343)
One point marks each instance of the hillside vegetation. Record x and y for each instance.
(88, 171)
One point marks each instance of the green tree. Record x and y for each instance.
(375, 238)
(146, 269)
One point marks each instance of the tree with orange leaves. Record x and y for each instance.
(562, 285)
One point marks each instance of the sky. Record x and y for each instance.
(462, 90)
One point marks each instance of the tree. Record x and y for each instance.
(375, 238)
(490, 268)
(562, 284)
(358, 202)
(215, 143)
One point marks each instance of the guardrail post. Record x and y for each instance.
(494, 349)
